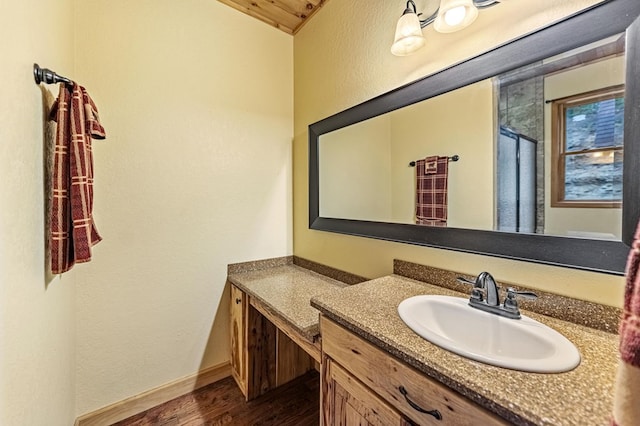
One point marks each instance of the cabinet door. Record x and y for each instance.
(238, 337)
(407, 390)
(347, 402)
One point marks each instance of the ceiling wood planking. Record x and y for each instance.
(286, 15)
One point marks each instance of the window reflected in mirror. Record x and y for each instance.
(571, 107)
(588, 141)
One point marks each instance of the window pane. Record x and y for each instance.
(594, 125)
(595, 176)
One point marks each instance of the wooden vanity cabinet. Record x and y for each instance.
(263, 356)
(363, 385)
(238, 312)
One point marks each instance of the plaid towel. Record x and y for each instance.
(73, 232)
(626, 406)
(431, 191)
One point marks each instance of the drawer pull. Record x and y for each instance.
(238, 300)
(434, 413)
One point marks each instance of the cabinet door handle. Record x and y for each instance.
(434, 413)
(238, 300)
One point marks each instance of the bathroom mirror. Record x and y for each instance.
(495, 111)
(500, 132)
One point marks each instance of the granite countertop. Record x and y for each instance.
(287, 291)
(583, 396)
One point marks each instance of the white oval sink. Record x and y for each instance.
(524, 344)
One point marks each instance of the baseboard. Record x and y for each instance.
(136, 404)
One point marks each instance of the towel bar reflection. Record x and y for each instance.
(45, 75)
(452, 158)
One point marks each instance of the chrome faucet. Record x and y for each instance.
(485, 296)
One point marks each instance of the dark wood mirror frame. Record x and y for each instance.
(593, 24)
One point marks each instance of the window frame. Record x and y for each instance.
(558, 154)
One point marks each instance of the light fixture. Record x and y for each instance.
(455, 15)
(452, 15)
(409, 37)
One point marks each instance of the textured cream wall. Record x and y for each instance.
(364, 172)
(342, 58)
(197, 102)
(458, 123)
(37, 325)
(355, 171)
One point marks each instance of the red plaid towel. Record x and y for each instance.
(431, 191)
(626, 409)
(73, 232)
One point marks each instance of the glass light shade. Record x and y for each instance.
(408, 37)
(455, 15)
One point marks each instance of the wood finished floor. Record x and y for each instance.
(294, 404)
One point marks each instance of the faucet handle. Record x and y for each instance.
(464, 280)
(512, 293)
(476, 294)
(511, 304)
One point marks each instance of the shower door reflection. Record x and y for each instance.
(516, 182)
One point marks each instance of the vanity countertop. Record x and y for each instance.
(583, 396)
(287, 290)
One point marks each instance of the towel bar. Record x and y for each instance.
(47, 76)
(452, 158)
